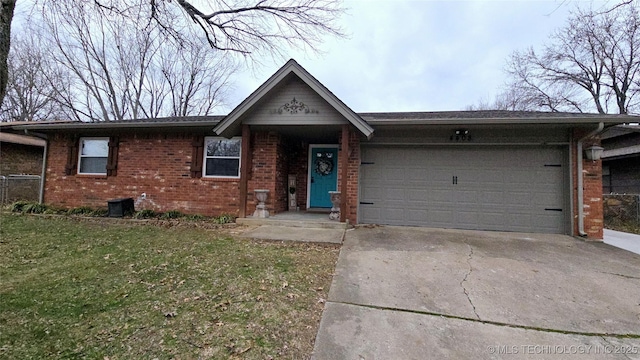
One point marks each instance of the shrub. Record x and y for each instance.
(173, 214)
(102, 212)
(144, 214)
(26, 207)
(82, 210)
(34, 208)
(224, 219)
(195, 217)
(18, 206)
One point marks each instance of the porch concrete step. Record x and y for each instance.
(318, 224)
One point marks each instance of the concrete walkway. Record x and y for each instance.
(290, 233)
(622, 240)
(301, 226)
(416, 293)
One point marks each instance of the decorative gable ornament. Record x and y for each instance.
(294, 107)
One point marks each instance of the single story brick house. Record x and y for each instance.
(487, 170)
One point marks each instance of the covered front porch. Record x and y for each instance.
(299, 142)
(297, 167)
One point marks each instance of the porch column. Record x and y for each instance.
(244, 168)
(344, 165)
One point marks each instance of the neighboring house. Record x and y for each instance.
(20, 154)
(486, 170)
(20, 165)
(621, 160)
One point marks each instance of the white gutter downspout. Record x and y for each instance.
(44, 162)
(44, 172)
(581, 180)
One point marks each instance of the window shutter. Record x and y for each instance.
(72, 156)
(112, 160)
(196, 156)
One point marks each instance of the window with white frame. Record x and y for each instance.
(94, 153)
(222, 157)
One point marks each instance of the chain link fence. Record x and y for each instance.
(622, 207)
(19, 187)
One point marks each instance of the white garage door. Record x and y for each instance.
(508, 189)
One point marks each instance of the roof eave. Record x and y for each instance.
(496, 121)
(22, 139)
(116, 125)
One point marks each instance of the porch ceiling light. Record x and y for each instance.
(594, 152)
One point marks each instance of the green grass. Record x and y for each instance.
(91, 290)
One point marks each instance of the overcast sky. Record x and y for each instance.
(421, 55)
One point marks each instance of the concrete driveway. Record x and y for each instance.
(416, 293)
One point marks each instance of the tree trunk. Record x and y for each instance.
(5, 43)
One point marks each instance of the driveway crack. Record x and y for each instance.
(621, 275)
(495, 323)
(614, 347)
(464, 289)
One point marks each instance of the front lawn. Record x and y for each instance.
(74, 289)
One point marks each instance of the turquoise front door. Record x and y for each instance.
(323, 176)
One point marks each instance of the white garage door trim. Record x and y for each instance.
(504, 188)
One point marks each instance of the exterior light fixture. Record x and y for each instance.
(594, 152)
(460, 135)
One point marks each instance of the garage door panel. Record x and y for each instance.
(417, 195)
(395, 214)
(496, 189)
(547, 200)
(492, 198)
(417, 216)
(466, 197)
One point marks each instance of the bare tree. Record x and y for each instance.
(593, 63)
(30, 93)
(196, 83)
(121, 70)
(247, 27)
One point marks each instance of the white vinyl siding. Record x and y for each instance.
(222, 157)
(93, 156)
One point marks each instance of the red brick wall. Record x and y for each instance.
(592, 185)
(159, 165)
(17, 159)
(352, 174)
(299, 165)
(155, 164)
(262, 174)
(281, 176)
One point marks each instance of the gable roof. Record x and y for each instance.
(230, 125)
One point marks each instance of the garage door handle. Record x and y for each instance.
(365, 203)
(553, 209)
(455, 180)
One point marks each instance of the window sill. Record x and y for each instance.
(220, 179)
(92, 176)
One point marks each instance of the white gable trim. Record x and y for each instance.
(230, 124)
